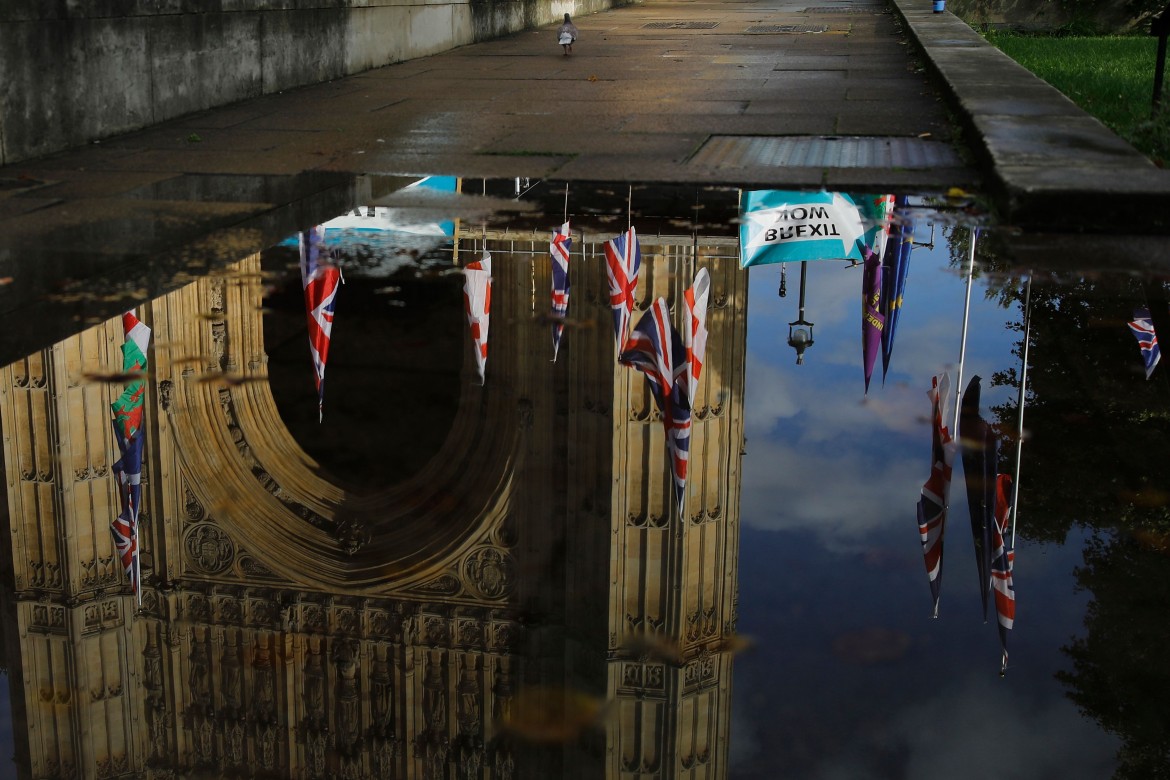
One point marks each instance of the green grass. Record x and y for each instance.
(1111, 78)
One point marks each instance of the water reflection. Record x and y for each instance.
(449, 579)
(460, 620)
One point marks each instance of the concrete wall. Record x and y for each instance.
(73, 71)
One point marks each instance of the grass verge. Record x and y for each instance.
(1110, 77)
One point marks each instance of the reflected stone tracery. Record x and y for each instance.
(290, 628)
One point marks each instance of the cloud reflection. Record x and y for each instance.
(843, 496)
(823, 455)
(977, 730)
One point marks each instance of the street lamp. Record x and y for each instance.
(800, 333)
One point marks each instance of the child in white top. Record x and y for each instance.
(566, 34)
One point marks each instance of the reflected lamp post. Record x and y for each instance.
(800, 333)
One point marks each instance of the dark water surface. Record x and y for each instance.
(446, 579)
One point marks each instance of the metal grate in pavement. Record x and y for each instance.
(679, 25)
(788, 28)
(837, 9)
(736, 151)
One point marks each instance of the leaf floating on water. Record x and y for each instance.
(553, 319)
(230, 380)
(551, 715)
(653, 646)
(734, 644)
(119, 377)
(871, 646)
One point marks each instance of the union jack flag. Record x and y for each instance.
(320, 278)
(1142, 328)
(932, 506)
(695, 334)
(623, 260)
(477, 303)
(127, 422)
(559, 247)
(656, 349)
(1003, 558)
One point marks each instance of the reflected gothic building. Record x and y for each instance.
(293, 627)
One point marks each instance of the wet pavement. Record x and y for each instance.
(661, 92)
(645, 88)
(763, 94)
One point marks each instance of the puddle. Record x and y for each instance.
(465, 543)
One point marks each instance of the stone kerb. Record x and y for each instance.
(1051, 164)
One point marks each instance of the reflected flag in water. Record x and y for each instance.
(559, 248)
(623, 261)
(1003, 558)
(477, 303)
(873, 322)
(1142, 328)
(656, 349)
(980, 453)
(129, 413)
(933, 504)
(320, 278)
(780, 226)
(895, 269)
(695, 334)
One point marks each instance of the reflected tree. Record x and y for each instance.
(1119, 675)
(1096, 430)
(1096, 455)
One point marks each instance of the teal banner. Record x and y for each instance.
(779, 226)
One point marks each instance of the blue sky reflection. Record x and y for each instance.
(849, 676)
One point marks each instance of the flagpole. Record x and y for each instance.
(966, 316)
(1020, 404)
(138, 576)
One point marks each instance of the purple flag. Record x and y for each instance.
(873, 322)
(895, 270)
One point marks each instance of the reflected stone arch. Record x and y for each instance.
(242, 467)
(252, 647)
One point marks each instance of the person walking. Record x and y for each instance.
(566, 34)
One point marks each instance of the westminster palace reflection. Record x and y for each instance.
(522, 602)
